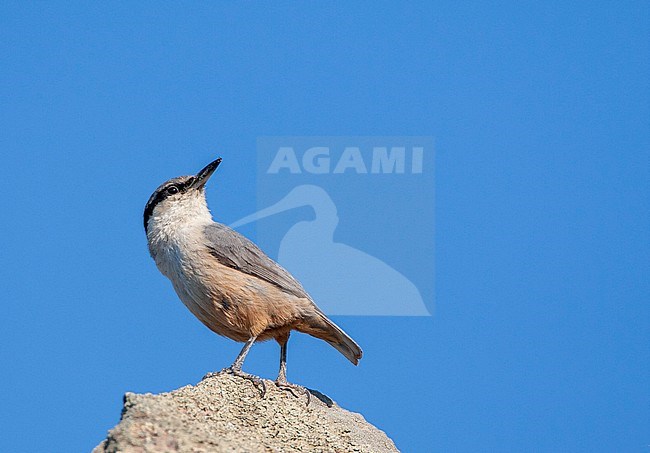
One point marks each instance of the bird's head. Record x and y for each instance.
(180, 198)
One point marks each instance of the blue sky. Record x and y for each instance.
(540, 117)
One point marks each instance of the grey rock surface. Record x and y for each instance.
(223, 413)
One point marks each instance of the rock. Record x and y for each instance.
(224, 413)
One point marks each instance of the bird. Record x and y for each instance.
(228, 282)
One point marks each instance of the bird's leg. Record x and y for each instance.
(281, 381)
(235, 368)
(239, 361)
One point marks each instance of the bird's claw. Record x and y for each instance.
(293, 389)
(257, 381)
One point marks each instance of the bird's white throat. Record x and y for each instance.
(175, 222)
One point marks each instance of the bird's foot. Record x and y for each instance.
(294, 389)
(256, 380)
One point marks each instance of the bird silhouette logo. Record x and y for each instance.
(343, 279)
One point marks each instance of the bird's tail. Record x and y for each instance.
(320, 326)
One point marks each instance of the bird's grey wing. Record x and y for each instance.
(236, 251)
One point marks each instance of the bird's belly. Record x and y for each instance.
(228, 301)
(196, 289)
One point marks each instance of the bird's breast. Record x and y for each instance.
(228, 301)
(179, 255)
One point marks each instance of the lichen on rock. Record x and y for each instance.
(224, 413)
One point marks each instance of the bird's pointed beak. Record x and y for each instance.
(202, 177)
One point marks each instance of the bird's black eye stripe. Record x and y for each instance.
(162, 193)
